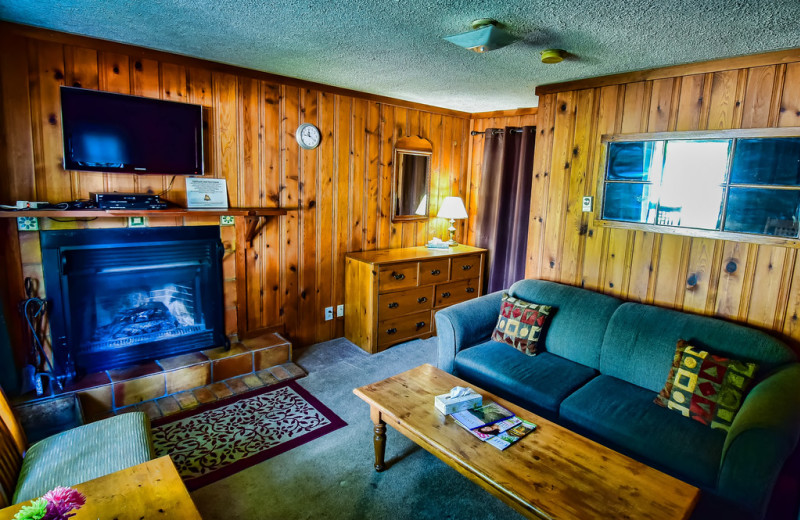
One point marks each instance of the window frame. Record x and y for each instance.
(606, 139)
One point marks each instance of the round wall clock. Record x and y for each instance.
(308, 136)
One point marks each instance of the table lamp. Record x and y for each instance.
(452, 208)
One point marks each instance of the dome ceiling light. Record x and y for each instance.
(485, 36)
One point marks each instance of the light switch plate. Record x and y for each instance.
(27, 224)
(328, 313)
(587, 204)
(226, 220)
(339, 311)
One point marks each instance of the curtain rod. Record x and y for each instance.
(498, 131)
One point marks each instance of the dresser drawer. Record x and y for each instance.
(398, 276)
(434, 272)
(399, 303)
(454, 292)
(398, 329)
(466, 267)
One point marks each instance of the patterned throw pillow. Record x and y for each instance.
(708, 388)
(520, 324)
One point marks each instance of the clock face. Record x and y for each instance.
(308, 136)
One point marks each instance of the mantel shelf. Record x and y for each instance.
(172, 212)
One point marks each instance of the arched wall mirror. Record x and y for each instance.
(412, 166)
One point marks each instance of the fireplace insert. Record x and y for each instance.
(118, 297)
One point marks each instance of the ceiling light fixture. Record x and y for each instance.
(486, 36)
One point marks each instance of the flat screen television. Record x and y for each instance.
(107, 132)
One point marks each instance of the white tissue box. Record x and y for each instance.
(447, 405)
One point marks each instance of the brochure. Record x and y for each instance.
(487, 432)
(487, 414)
(512, 435)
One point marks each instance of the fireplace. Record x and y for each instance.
(118, 297)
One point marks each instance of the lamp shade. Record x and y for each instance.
(452, 207)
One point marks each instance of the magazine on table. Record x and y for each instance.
(505, 439)
(489, 431)
(485, 415)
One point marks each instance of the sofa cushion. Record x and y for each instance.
(84, 453)
(623, 417)
(708, 388)
(578, 322)
(537, 383)
(520, 324)
(639, 344)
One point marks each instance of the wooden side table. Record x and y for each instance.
(149, 490)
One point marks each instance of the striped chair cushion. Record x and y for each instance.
(84, 453)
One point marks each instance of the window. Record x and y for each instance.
(737, 182)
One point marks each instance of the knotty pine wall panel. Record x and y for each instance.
(342, 190)
(746, 282)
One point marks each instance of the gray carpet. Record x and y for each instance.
(332, 477)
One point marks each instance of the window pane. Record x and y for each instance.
(691, 188)
(639, 161)
(629, 202)
(767, 161)
(763, 211)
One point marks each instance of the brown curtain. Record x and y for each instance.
(504, 201)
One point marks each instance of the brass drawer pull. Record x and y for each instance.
(466, 267)
(394, 305)
(470, 289)
(391, 331)
(445, 295)
(435, 272)
(422, 300)
(398, 276)
(420, 324)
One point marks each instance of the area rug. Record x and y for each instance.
(219, 439)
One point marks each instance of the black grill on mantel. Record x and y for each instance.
(119, 297)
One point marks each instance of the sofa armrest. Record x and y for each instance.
(763, 435)
(464, 325)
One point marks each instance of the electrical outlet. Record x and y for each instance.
(587, 204)
(27, 224)
(328, 313)
(226, 220)
(136, 222)
(339, 311)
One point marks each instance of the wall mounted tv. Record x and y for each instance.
(106, 132)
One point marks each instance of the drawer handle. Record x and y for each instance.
(470, 289)
(393, 305)
(398, 276)
(466, 267)
(445, 295)
(391, 331)
(422, 300)
(435, 272)
(420, 324)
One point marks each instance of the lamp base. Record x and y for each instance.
(452, 229)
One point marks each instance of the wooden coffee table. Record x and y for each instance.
(551, 473)
(151, 490)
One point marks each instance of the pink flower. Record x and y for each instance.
(62, 500)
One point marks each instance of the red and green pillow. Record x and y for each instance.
(706, 387)
(521, 323)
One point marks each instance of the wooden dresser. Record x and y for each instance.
(391, 295)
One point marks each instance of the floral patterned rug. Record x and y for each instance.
(219, 439)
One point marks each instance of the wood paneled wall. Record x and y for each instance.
(479, 123)
(295, 266)
(745, 282)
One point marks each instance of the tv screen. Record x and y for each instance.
(109, 132)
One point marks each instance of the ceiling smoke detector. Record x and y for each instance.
(553, 55)
(486, 36)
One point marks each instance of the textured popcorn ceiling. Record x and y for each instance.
(395, 47)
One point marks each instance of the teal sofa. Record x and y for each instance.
(604, 362)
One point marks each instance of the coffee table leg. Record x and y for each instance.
(379, 440)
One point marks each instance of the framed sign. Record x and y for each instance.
(206, 193)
